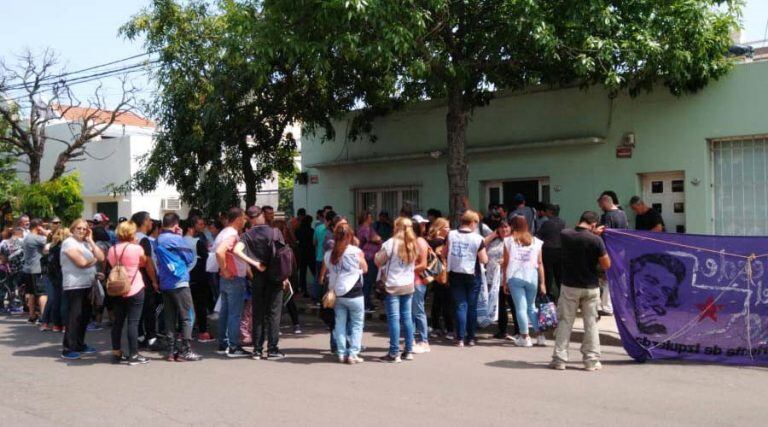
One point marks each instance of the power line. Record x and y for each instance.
(93, 67)
(49, 80)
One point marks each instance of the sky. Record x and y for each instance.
(85, 33)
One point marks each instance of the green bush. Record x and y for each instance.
(61, 197)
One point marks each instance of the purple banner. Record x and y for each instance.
(682, 296)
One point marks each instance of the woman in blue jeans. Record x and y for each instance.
(397, 261)
(465, 251)
(523, 271)
(346, 265)
(421, 334)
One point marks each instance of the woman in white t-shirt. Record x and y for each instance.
(523, 270)
(397, 260)
(346, 265)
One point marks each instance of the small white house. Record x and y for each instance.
(111, 161)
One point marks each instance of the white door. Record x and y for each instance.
(665, 193)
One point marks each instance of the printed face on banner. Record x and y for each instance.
(688, 296)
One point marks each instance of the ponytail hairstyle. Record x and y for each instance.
(342, 238)
(520, 231)
(408, 250)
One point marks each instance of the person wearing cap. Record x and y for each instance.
(101, 222)
(520, 208)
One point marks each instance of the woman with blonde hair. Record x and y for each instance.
(78, 271)
(442, 303)
(522, 270)
(397, 261)
(130, 255)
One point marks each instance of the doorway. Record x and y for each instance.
(535, 191)
(109, 209)
(665, 193)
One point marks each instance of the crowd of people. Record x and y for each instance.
(157, 282)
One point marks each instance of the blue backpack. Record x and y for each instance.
(170, 264)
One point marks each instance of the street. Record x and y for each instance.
(493, 383)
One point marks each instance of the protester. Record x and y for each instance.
(398, 257)
(306, 253)
(443, 308)
(523, 275)
(490, 295)
(78, 270)
(614, 218)
(346, 265)
(232, 285)
(646, 218)
(128, 307)
(256, 248)
(321, 229)
(173, 257)
(199, 284)
(370, 243)
(421, 331)
(520, 208)
(290, 304)
(55, 297)
(583, 250)
(148, 323)
(465, 251)
(35, 245)
(383, 226)
(552, 253)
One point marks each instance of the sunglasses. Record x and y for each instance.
(56, 222)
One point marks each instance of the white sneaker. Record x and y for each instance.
(541, 341)
(524, 342)
(421, 348)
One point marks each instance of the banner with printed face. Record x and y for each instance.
(681, 296)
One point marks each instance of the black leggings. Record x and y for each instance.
(442, 307)
(130, 308)
(201, 295)
(306, 262)
(78, 316)
(505, 299)
(293, 311)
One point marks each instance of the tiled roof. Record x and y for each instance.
(126, 118)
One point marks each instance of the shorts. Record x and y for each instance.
(34, 283)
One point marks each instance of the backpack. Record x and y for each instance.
(282, 262)
(117, 281)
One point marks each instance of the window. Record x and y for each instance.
(657, 187)
(390, 200)
(740, 182)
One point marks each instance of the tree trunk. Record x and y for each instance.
(60, 167)
(456, 123)
(248, 176)
(34, 169)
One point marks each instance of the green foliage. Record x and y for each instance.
(220, 82)
(392, 53)
(285, 185)
(60, 197)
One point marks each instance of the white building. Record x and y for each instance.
(111, 161)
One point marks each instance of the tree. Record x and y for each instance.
(225, 99)
(46, 98)
(399, 52)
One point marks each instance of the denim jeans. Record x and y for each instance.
(52, 312)
(399, 308)
(524, 295)
(420, 313)
(232, 295)
(349, 311)
(465, 288)
(369, 279)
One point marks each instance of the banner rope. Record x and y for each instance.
(750, 281)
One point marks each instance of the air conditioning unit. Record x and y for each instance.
(170, 204)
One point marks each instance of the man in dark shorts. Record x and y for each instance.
(646, 218)
(34, 245)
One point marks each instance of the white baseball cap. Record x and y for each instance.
(420, 219)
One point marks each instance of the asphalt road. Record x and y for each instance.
(488, 385)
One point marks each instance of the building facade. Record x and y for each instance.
(700, 159)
